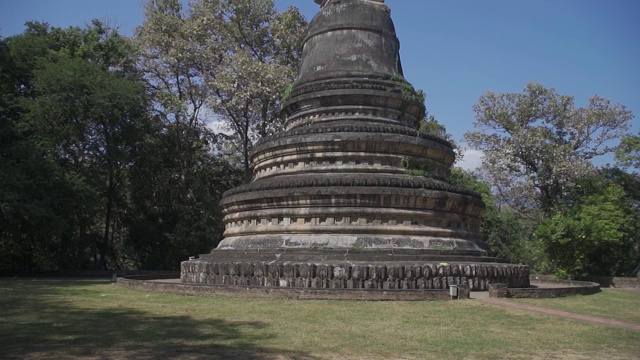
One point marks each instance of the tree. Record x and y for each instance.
(430, 125)
(234, 58)
(594, 233)
(166, 225)
(628, 153)
(90, 120)
(508, 235)
(537, 143)
(72, 110)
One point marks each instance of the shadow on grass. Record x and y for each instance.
(38, 324)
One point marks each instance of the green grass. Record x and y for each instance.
(610, 303)
(55, 319)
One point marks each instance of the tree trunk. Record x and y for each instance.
(102, 263)
(248, 173)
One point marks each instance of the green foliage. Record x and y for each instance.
(287, 93)
(628, 153)
(431, 126)
(415, 169)
(232, 58)
(507, 234)
(73, 114)
(90, 179)
(537, 143)
(38, 208)
(172, 220)
(410, 96)
(591, 233)
(538, 147)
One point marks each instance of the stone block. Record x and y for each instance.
(303, 282)
(304, 270)
(340, 272)
(455, 270)
(417, 270)
(498, 290)
(224, 268)
(427, 271)
(259, 269)
(468, 272)
(395, 272)
(409, 272)
(247, 269)
(463, 291)
(288, 270)
(350, 284)
(337, 284)
(360, 272)
(269, 282)
(325, 271)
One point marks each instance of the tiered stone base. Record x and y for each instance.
(333, 274)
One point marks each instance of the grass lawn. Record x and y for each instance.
(90, 319)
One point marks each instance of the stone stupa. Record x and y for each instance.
(335, 201)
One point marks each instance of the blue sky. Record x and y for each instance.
(455, 50)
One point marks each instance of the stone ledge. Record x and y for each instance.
(358, 256)
(365, 127)
(615, 282)
(557, 288)
(352, 275)
(393, 181)
(174, 287)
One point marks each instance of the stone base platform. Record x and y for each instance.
(327, 271)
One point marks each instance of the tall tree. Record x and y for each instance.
(166, 226)
(508, 235)
(73, 106)
(230, 58)
(595, 231)
(90, 120)
(628, 153)
(537, 143)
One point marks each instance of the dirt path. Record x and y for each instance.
(565, 314)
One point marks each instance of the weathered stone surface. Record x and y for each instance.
(333, 203)
(288, 274)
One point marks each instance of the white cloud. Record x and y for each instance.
(217, 126)
(471, 159)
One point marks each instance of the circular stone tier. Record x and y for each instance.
(375, 98)
(336, 274)
(352, 147)
(371, 211)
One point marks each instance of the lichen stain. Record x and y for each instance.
(367, 39)
(330, 10)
